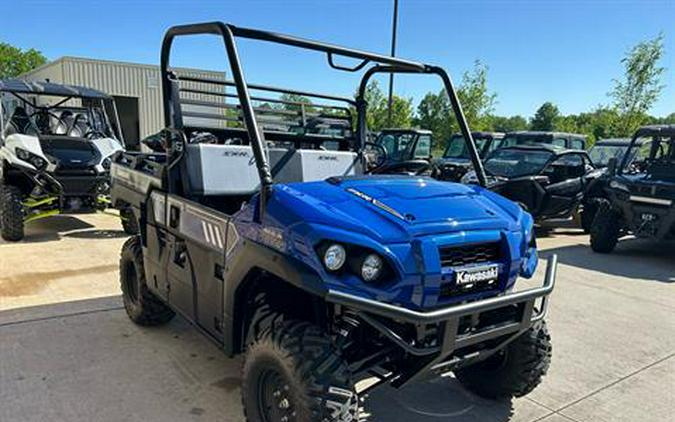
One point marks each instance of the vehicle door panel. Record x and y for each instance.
(196, 270)
(566, 185)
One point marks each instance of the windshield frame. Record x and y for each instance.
(639, 140)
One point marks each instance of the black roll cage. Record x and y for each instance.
(228, 33)
(114, 125)
(657, 133)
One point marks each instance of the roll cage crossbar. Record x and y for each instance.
(173, 115)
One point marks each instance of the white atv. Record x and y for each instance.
(56, 147)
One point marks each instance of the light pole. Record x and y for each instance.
(394, 27)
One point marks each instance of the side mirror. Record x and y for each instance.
(611, 166)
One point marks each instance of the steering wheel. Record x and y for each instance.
(372, 167)
(410, 167)
(95, 134)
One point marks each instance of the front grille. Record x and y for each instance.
(450, 290)
(83, 185)
(459, 256)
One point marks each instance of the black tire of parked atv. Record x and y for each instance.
(588, 214)
(292, 370)
(515, 371)
(129, 222)
(606, 228)
(143, 307)
(11, 213)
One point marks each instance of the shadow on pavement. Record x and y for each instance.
(201, 379)
(54, 228)
(437, 399)
(632, 258)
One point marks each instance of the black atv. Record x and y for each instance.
(641, 191)
(546, 180)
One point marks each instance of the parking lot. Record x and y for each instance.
(69, 353)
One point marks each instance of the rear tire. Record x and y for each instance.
(292, 372)
(143, 307)
(11, 213)
(129, 221)
(606, 228)
(514, 372)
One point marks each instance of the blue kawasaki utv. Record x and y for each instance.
(258, 224)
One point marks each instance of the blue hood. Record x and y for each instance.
(395, 209)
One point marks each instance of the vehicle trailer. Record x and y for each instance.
(272, 239)
(640, 193)
(56, 146)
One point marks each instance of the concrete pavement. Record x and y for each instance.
(69, 353)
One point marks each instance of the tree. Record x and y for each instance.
(640, 87)
(545, 118)
(15, 61)
(294, 99)
(477, 102)
(507, 124)
(377, 115)
(435, 112)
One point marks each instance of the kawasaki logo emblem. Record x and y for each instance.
(475, 275)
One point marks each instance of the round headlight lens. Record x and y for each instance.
(106, 164)
(371, 268)
(37, 162)
(334, 257)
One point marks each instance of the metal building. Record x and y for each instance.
(135, 88)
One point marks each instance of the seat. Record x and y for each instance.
(22, 123)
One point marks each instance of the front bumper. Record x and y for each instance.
(453, 333)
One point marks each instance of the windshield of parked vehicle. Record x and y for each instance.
(48, 115)
(652, 156)
(601, 154)
(516, 162)
(457, 148)
(397, 145)
(513, 140)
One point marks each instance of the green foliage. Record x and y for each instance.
(477, 102)
(546, 117)
(635, 94)
(377, 113)
(295, 98)
(435, 113)
(15, 61)
(508, 124)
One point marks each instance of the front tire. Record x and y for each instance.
(292, 372)
(11, 213)
(588, 214)
(513, 372)
(143, 307)
(606, 228)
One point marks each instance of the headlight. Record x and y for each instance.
(334, 257)
(106, 164)
(36, 161)
(371, 268)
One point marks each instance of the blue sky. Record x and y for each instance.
(564, 51)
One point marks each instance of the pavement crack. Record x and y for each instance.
(613, 383)
(73, 314)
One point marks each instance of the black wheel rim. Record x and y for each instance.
(131, 283)
(274, 402)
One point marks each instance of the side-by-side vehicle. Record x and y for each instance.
(640, 193)
(269, 235)
(56, 146)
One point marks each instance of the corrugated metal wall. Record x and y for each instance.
(117, 78)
